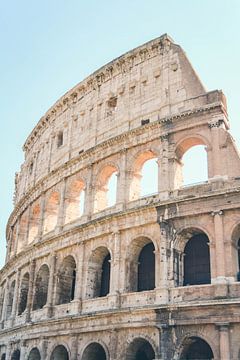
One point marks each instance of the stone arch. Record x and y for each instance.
(74, 200)
(235, 237)
(182, 262)
(95, 351)
(103, 178)
(66, 280)
(34, 354)
(16, 355)
(140, 349)
(34, 222)
(141, 253)
(60, 352)
(51, 212)
(195, 347)
(98, 273)
(10, 299)
(3, 356)
(140, 160)
(23, 293)
(182, 147)
(41, 287)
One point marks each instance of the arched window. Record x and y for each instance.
(146, 268)
(59, 353)
(195, 349)
(94, 351)
(34, 223)
(191, 166)
(23, 294)
(66, 281)
(34, 354)
(16, 355)
(74, 200)
(140, 349)
(99, 269)
(10, 299)
(197, 261)
(106, 188)
(41, 288)
(140, 270)
(144, 179)
(51, 212)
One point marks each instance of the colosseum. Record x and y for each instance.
(129, 276)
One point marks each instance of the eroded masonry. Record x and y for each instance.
(96, 277)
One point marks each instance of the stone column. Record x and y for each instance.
(16, 239)
(122, 191)
(115, 264)
(28, 224)
(79, 278)
(61, 210)
(219, 247)
(163, 165)
(41, 221)
(16, 295)
(89, 194)
(23, 349)
(225, 352)
(215, 168)
(51, 287)
(30, 290)
(74, 347)
(8, 351)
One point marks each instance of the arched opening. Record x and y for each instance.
(34, 223)
(146, 268)
(51, 212)
(140, 267)
(34, 354)
(99, 272)
(94, 351)
(144, 179)
(196, 349)
(16, 355)
(140, 349)
(59, 353)
(23, 294)
(191, 166)
(22, 233)
(74, 200)
(106, 188)
(3, 357)
(10, 299)
(197, 261)
(66, 281)
(41, 288)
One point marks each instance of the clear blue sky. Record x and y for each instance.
(48, 46)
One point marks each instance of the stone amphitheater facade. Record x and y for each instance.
(153, 277)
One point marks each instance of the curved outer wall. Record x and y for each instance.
(148, 103)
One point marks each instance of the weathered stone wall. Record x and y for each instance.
(147, 104)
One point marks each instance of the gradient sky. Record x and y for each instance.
(48, 46)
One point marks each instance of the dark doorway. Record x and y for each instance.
(197, 261)
(3, 357)
(94, 351)
(41, 288)
(23, 294)
(16, 355)
(105, 278)
(66, 281)
(197, 349)
(146, 268)
(140, 349)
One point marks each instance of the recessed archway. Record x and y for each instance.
(34, 354)
(196, 348)
(140, 349)
(74, 200)
(16, 355)
(10, 299)
(106, 188)
(94, 351)
(51, 212)
(23, 294)
(59, 353)
(66, 281)
(41, 288)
